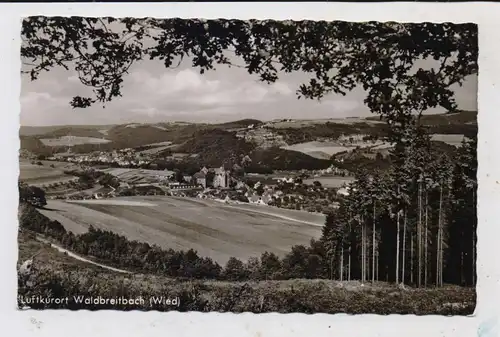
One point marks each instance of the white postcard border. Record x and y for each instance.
(106, 323)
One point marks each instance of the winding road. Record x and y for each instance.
(79, 258)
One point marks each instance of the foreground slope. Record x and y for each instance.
(58, 275)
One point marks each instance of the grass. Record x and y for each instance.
(317, 149)
(44, 174)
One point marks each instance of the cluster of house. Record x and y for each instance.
(261, 136)
(124, 157)
(211, 177)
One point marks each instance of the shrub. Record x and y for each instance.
(235, 270)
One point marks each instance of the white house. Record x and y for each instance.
(343, 191)
(221, 178)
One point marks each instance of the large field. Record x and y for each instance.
(300, 123)
(212, 228)
(321, 150)
(38, 175)
(324, 150)
(451, 139)
(137, 176)
(333, 182)
(70, 141)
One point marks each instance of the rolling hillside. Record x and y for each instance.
(45, 130)
(225, 144)
(243, 123)
(294, 135)
(460, 117)
(75, 132)
(34, 145)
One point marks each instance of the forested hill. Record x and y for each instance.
(217, 147)
(462, 122)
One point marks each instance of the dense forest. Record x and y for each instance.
(414, 223)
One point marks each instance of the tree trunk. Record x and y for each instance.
(474, 233)
(425, 238)
(397, 250)
(362, 250)
(419, 236)
(404, 246)
(444, 220)
(342, 261)
(439, 238)
(373, 245)
(331, 265)
(462, 275)
(411, 257)
(350, 243)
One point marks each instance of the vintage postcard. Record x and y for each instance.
(248, 166)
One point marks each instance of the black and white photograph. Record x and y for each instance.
(263, 166)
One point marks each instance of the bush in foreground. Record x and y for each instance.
(303, 296)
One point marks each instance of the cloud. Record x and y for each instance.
(34, 98)
(195, 91)
(152, 93)
(41, 100)
(169, 83)
(343, 105)
(281, 88)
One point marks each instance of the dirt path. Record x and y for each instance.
(77, 257)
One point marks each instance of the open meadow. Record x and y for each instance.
(300, 123)
(212, 228)
(330, 181)
(325, 150)
(73, 140)
(38, 175)
(450, 139)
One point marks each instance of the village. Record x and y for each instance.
(102, 175)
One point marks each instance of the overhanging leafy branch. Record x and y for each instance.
(381, 57)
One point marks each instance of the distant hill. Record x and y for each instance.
(243, 123)
(34, 145)
(329, 130)
(216, 147)
(43, 130)
(76, 132)
(370, 159)
(460, 117)
(280, 159)
(124, 136)
(218, 144)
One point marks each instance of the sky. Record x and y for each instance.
(152, 93)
